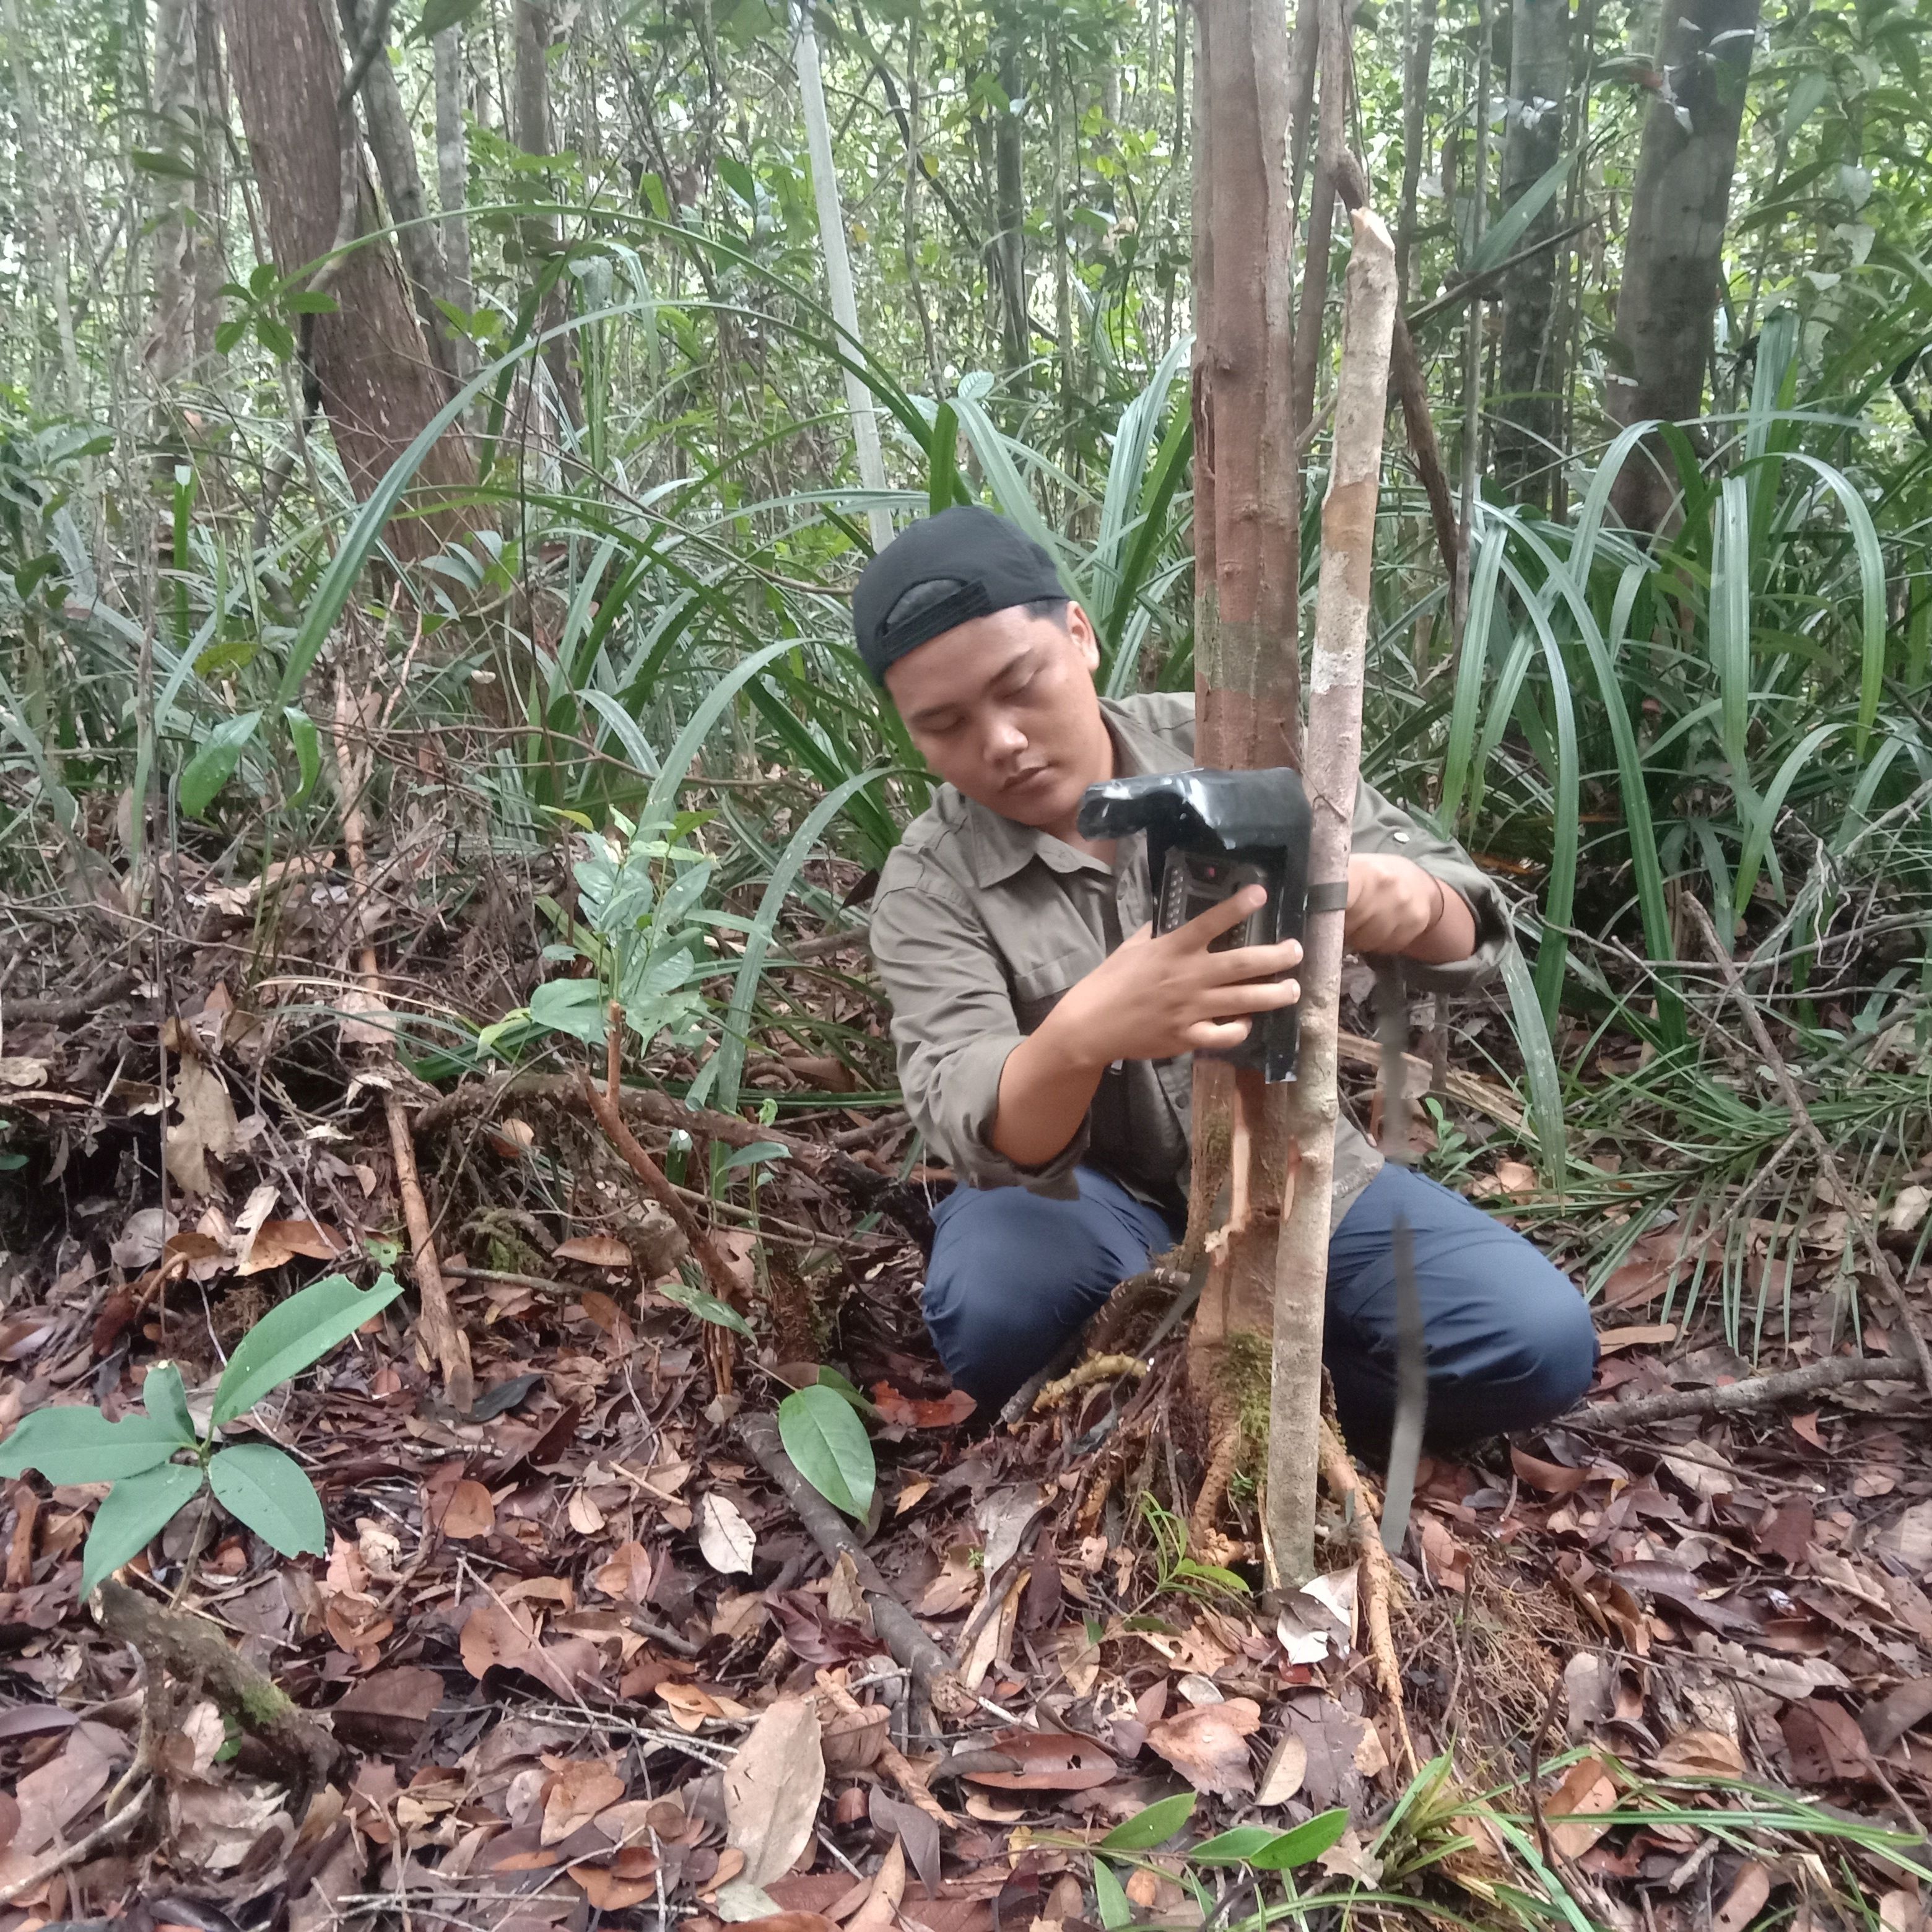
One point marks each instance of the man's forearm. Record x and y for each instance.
(1451, 935)
(1044, 1093)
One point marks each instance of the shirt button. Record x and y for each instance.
(1401, 838)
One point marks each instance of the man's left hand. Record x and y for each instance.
(1395, 907)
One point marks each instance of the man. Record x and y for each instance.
(1044, 1036)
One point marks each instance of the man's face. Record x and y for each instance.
(1004, 708)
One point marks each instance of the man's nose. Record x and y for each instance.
(1004, 738)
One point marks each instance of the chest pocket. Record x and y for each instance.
(1040, 986)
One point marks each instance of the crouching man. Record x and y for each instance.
(1044, 1036)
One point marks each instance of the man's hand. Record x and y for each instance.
(1154, 998)
(1395, 907)
(1150, 999)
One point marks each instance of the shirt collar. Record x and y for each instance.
(998, 848)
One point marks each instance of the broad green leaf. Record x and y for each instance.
(79, 1444)
(289, 1337)
(211, 767)
(303, 735)
(1109, 1900)
(706, 1307)
(1304, 1844)
(1500, 240)
(1233, 1848)
(132, 1514)
(1154, 1826)
(575, 1007)
(438, 15)
(756, 1154)
(828, 1446)
(166, 1400)
(267, 1490)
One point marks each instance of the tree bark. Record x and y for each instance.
(1421, 45)
(452, 183)
(838, 270)
(542, 234)
(1472, 334)
(1331, 773)
(1673, 256)
(1246, 565)
(171, 340)
(393, 144)
(378, 388)
(39, 185)
(1527, 411)
(208, 253)
(1009, 212)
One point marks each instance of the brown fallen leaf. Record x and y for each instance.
(689, 1705)
(208, 1129)
(853, 1743)
(880, 1908)
(1645, 1335)
(1049, 1760)
(1749, 1892)
(1285, 1770)
(277, 1243)
(1572, 1810)
(495, 1635)
(1826, 1744)
(628, 1574)
(609, 1892)
(788, 1922)
(1208, 1745)
(471, 1513)
(1700, 1754)
(771, 1788)
(1552, 1478)
(916, 1413)
(579, 1791)
(1886, 1722)
(603, 1251)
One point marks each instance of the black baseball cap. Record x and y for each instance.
(966, 562)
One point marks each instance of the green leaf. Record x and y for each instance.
(79, 1444)
(1304, 1844)
(574, 1007)
(308, 750)
(706, 1307)
(1499, 241)
(438, 15)
(211, 767)
(310, 301)
(277, 337)
(828, 1446)
(165, 1401)
(1233, 1848)
(757, 1152)
(289, 1338)
(269, 1492)
(132, 1514)
(1109, 1900)
(1154, 1826)
(738, 179)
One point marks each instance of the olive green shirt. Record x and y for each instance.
(980, 925)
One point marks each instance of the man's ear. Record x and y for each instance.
(1080, 628)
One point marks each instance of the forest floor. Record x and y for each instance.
(577, 1654)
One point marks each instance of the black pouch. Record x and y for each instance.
(1210, 833)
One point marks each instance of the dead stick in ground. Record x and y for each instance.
(932, 1673)
(441, 1329)
(1378, 1583)
(896, 1766)
(1331, 771)
(1740, 1398)
(1801, 1116)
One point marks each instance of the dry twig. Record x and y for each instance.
(1737, 1398)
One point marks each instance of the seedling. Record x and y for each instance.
(259, 1485)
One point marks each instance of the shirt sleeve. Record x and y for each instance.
(953, 1025)
(1382, 826)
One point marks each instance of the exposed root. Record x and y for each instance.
(1377, 1582)
(1223, 1461)
(1094, 1368)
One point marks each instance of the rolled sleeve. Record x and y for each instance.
(953, 1025)
(1382, 826)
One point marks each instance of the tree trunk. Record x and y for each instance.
(838, 270)
(1673, 256)
(1472, 333)
(38, 185)
(1421, 44)
(1334, 757)
(1010, 214)
(171, 340)
(1246, 686)
(394, 145)
(1529, 416)
(209, 255)
(452, 185)
(378, 388)
(542, 235)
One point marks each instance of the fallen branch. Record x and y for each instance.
(1739, 1398)
(1828, 1161)
(76, 1006)
(1095, 1369)
(195, 1651)
(933, 1680)
(1377, 1576)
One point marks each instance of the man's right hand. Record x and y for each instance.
(1153, 998)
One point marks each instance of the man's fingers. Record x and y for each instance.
(1209, 1036)
(1260, 996)
(1242, 963)
(1206, 927)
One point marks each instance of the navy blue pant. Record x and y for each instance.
(1510, 1341)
